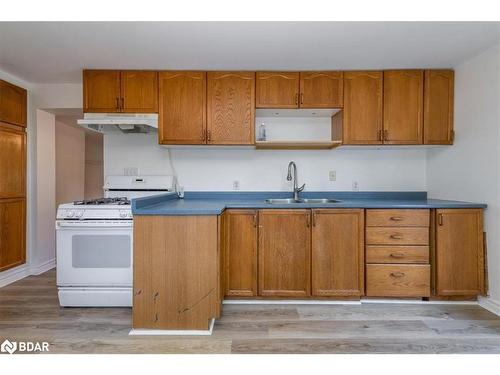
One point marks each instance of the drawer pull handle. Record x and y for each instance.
(397, 255)
(396, 236)
(397, 274)
(396, 218)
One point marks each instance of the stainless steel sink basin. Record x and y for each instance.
(301, 200)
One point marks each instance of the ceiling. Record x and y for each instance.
(53, 52)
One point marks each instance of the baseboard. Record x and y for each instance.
(490, 305)
(166, 332)
(18, 273)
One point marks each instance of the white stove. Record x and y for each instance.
(94, 243)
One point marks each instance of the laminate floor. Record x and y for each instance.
(29, 311)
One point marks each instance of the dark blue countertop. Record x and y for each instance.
(214, 203)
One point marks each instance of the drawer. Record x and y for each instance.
(397, 254)
(404, 280)
(397, 218)
(397, 236)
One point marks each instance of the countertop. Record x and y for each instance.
(214, 203)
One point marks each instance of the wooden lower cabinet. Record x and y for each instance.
(337, 252)
(240, 253)
(12, 232)
(284, 253)
(175, 272)
(401, 280)
(459, 259)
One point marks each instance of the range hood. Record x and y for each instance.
(119, 122)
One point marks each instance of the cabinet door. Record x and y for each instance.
(12, 104)
(459, 252)
(403, 96)
(240, 264)
(231, 108)
(182, 104)
(337, 252)
(277, 90)
(284, 253)
(321, 89)
(12, 233)
(438, 107)
(101, 91)
(12, 162)
(362, 108)
(139, 91)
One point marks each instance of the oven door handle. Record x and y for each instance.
(94, 225)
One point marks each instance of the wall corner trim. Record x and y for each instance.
(490, 305)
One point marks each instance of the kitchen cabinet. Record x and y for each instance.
(182, 107)
(277, 89)
(362, 113)
(12, 161)
(438, 107)
(403, 106)
(321, 90)
(240, 253)
(459, 263)
(175, 272)
(337, 252)
(12, 232)
(284, 253)
(115, 91)
(12, 104)
(231, 108)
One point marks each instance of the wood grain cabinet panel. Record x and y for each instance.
(337, 252)
(459, 252)
(402, 280)
(139, 91)
(231, 108)
(403, 105)
(321, 90)
(397, 254)
(12, 162)
(284, 253)
(182, 107)
(13, 103)
(362, 122)
(12, 233)
(101, 91)
(397, 236)
(438, 107)
(397, 218)
(240, 253)
(277, 89)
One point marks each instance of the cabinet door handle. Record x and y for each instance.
(386, 135)
(397, 274)
(397, 255)
(297, 98)
(396, 236)
(380, 137)
(302, 98)
(396, 218)
(208, 136)
(308, 221)
(203, 135)
(255, 220)
(440, 219)
(314, 219)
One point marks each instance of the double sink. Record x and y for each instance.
(301, 200)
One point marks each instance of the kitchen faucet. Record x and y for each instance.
(296, 190)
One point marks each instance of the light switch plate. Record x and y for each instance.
(332, 175)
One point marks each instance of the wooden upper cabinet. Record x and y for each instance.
(321, 90)
(12, 232)
(403, 104)
(459, 252)
(438, 107)
(182, 107)
(12, 104)
(231, 108)
(12, 162)
(362, 122)
(277, 90)
(101, 91)
(139, 91)
(284, 253)
(337, 252)
(240, 253)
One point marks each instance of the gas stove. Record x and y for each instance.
(121, 201)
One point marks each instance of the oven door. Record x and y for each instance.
(94, 253)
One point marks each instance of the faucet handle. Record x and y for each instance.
(301, 188)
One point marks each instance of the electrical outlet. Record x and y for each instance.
(332, 175)
(236, 185)
(355, 186)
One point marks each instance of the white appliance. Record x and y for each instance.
(123, 122)
(94, 243)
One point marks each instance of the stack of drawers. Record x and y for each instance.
(397, 253)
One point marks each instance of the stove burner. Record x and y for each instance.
(99, 201)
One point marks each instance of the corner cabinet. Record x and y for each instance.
(438, 107)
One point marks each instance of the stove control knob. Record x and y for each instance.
(79, 214)
(70, 213)
(123, 214)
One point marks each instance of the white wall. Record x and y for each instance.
(214, 168)
(470, 169)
